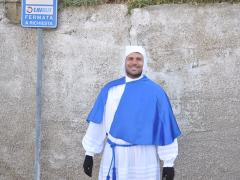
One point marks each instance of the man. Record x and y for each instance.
(136, 117)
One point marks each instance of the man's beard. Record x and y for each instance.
(134, 76)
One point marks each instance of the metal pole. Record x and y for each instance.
(37, 165)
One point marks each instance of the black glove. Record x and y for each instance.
(168, 173)
(88, 165)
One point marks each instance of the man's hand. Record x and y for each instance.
(88, 165)
(168, 173)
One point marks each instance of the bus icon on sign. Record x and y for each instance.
(29, 9)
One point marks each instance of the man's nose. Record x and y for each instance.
(134, 61)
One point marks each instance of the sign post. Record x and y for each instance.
(38, 115)
(39, 14)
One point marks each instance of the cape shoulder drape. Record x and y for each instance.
(144, 115)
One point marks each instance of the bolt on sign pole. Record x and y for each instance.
(39, 14)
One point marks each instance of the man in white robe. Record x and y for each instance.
(132, 162)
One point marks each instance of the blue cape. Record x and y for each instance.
(144, 115)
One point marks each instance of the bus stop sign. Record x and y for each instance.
(39, 13)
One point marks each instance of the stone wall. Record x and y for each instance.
(193, 53)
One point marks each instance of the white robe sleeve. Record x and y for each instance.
(93, 141)
(168, 153)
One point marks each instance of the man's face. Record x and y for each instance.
(134, 65)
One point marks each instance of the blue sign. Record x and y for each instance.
(39, 13)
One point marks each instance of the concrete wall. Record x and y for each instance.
(193, 53)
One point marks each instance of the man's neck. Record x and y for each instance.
(128, 79)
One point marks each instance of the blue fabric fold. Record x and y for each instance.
(144, 114)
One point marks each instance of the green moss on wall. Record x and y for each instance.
(140, 3)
